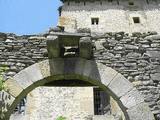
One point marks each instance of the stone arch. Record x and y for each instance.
(126, 95)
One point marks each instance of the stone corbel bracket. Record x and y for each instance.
(57, 42)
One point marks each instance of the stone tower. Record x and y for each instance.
(110, 15)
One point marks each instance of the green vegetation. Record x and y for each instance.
(61, 118)
(2, 71)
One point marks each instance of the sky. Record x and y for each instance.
(28, 16)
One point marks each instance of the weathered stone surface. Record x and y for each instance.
(153, 37)
(155, 77)
(23, 79)
(120, 85)
(75, 103)
(53, 47)
(91, 70)
(153, 54)
(28, 76)
(132, 98)
(106, 74)
(74, 66)
(85, 47)
(6, 100)
(140, 112)
(57, 66)
(13, 87)
(44, 67)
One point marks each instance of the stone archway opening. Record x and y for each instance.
(86, 98)
(127, 97)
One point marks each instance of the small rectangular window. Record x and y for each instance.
(94, 21)
(131, 3)
(136, 20)
(100, 2)
(109, 0)
(147, 1)
(101, 102)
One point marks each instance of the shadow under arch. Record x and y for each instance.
(128, 98)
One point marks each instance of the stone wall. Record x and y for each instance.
(137, 57)
(113, 16)
(52, 102)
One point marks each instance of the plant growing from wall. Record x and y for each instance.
(2, 71)
(61, 118)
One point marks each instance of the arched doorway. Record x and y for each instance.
(127, 97)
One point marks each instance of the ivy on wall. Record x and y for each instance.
(2, 71)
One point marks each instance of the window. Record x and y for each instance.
(68, 3)
(94, 21)
(77, 2)
(100, 2)
(84, 3)
(109, 0)
(136, 20)
(101, 102)
(131, 3)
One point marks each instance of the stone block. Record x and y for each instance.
(140, 112)
(74, 66)
(153, 54)
(120, 85)
(85, 47)
(53, 47)
(152, 37)
(106, 74)
(22, 79)
(132, 98)
(56, 66)
(28, 76)
(91, 71)
(13, 87)
(155, 77)
(44, 67)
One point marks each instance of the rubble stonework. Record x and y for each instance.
(135, 56)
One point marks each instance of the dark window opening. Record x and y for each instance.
(131, 3)
(147, 1)
(77, 2)
(84, 3)
(118, 2)
(94, 21)
(110, 0)
(100, 2)
(68, 3)
(136, 20)
(101, 102)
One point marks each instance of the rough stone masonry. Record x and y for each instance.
(136, 56)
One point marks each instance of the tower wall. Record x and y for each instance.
(113, 16)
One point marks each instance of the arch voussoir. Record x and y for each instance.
(120, 85)
(107, 74)
(140, 112)
(132, 98)
(12, 87)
